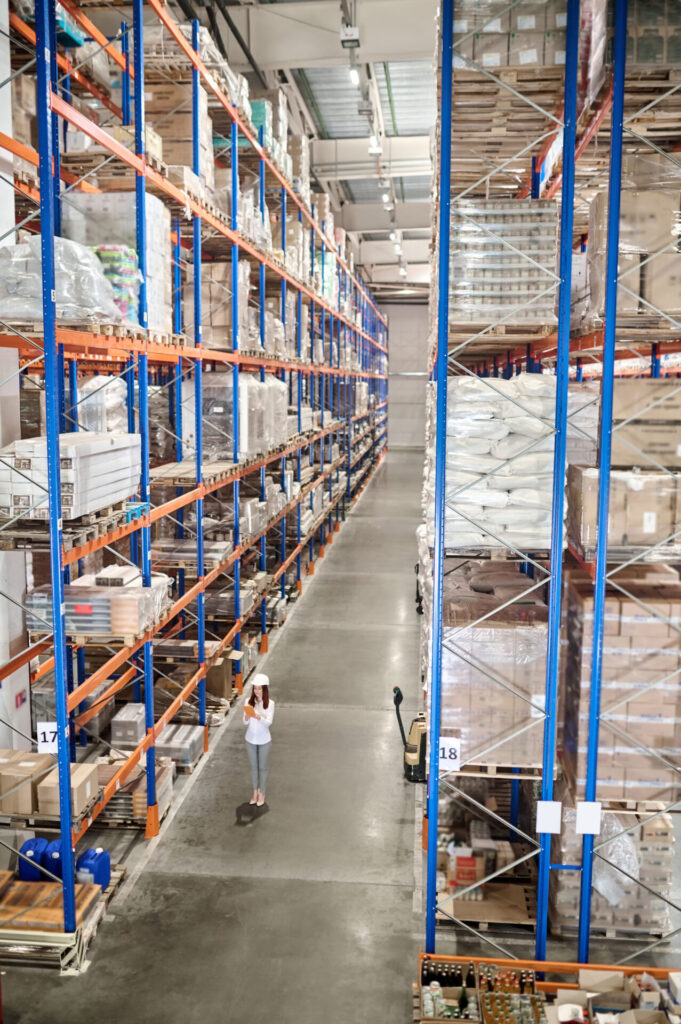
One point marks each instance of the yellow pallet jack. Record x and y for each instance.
(414, 744)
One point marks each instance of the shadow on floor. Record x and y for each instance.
(248, 814)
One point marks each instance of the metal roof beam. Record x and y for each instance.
(345, 159)
(373, 217)
(305, 35)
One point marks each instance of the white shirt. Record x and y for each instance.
(258, 731)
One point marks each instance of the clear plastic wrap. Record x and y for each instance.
(618, 902)
(643, 510)
(491, 671)
(102, 405)
(92, 610)
(276, 411)
(119, 263)
(82, 291)
(489, 280)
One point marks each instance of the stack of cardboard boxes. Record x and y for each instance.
(169, 112)
(653, 34)
(216, 304)
(639, 686)
(648, 225)
(29, 784)
(493, 671)
(645, 502)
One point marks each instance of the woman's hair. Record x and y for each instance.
(265, 697)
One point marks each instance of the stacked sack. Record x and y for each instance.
(500, 461)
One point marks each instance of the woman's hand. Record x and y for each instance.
(256, 715)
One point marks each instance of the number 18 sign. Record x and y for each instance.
(449, 753)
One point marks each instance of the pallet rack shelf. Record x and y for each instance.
(634, 114)
(351, 330)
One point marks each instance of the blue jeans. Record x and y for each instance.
(258, 755)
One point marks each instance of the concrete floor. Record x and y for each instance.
(304, 911)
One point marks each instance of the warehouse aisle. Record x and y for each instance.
(306, 911)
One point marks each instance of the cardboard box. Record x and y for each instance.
(526, 49)
(125, 134)
(28, 769)
(554, 48)
(84, 786)
(220, 678)
(490, 50)
(24, 95)
(661, 283)
(528, 16)
(646, 445)
(648, 399)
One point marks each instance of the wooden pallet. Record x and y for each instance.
(31, 533)
(505, 903)
(619, 933)
(514, 772)
(38, 906)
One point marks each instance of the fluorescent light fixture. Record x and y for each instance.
(375, 148)
(393, 236)
(398, 248)
(354, 76)
(403, 271)
(386, 197)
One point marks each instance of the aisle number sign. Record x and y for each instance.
(47, 737)
(450, 753)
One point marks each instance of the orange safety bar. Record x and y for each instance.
(547, 967)
(98, 36)
(23, 658)
(30, 155)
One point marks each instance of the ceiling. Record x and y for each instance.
(382, 199)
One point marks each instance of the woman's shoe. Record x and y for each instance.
(254, 798)
(261, 799)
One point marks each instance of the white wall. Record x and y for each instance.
(407, 354)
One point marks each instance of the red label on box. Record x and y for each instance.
(82, 609)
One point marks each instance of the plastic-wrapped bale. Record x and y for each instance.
(82, 292)
(108, 218)
(499, 463)
(218, 436)
(102, 405)
(97, 470)
(489, 280)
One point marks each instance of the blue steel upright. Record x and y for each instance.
(198, 391)
(47, 143)
(559, 461)
(605, 445)
(143, 399)
(234, 148)
(440, 467)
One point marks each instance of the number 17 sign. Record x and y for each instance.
(450, 753)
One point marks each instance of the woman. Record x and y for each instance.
(258, 715)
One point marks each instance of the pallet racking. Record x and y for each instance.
(572, 154)
(351, 331)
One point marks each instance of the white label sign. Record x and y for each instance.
(450, 753)
(47, 737)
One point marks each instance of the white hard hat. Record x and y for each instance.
(260, 679)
